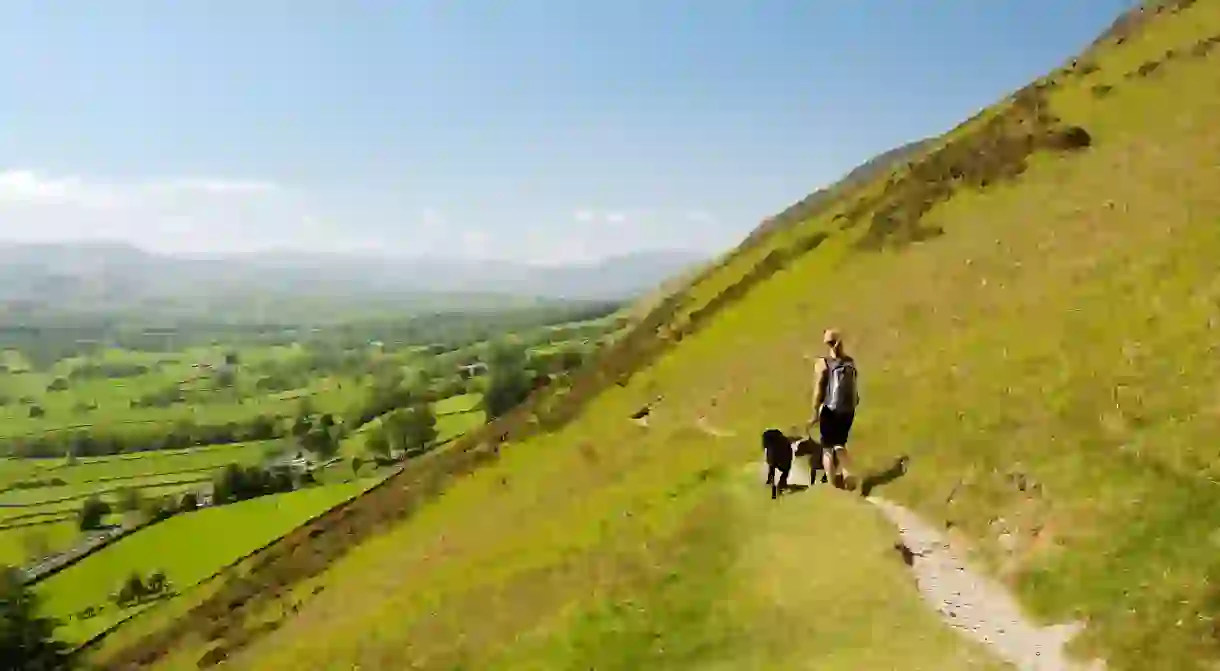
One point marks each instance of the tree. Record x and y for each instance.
(510, 381)
(304, 419)
(321, 442)
(157, 582)
(130, 500)
(230, 485)
(279, 480)
(262, 428)
(92, 512)
(571, 359)
(377, 443)
(160, 508)
(27, 640)
(425, 377)
(225, 378)
(58, 384)
(411, 429)
(133, 590)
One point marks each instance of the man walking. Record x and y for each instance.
(835, 398)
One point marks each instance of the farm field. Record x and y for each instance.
(42, 520)
(215, 537)
(454, 416)
(139, 431)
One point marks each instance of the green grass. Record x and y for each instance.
(170, 472)
(457, 403)
(189, 548)
(17, 545)
(34, 497)
(14, 470)
(450, 426)
(621, 555)
(142, 464)
(113, 397)
(140, 470)
(1062, 330)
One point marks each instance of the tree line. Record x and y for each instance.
(48, 341)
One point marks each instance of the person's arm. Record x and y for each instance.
(819, 388)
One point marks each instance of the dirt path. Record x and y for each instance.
(966, 599)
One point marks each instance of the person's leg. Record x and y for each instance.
(829, 426)
(783, 477)
(835, 429)
(843, 457)
(828, 465)
(770, 472)
(842, 474)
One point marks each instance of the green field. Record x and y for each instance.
(1035, 330)
(43, 519)
(215, 537)
(455, 404)
(86, 400)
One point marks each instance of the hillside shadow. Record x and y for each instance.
(880, 478)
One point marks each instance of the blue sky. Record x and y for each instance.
(522, 129)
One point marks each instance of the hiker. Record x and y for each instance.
(835, 398)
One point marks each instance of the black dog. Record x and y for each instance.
(778, 450)
(814, 450)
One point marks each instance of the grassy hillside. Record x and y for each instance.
(1034, 303)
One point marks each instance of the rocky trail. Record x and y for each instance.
(966, 599)
(975, 604)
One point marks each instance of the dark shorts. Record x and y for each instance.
(835, 427)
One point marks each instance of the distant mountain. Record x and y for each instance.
(105, 279)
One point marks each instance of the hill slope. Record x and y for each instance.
(1034, 302)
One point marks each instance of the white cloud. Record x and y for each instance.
(28, 186)
(182, 214)
(591, 216)
(215, 214)
(218, 186)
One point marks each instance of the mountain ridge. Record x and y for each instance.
(99, 278)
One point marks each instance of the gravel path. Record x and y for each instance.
(976, 605)
(968, 600)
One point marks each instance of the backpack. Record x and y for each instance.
(842, 394)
